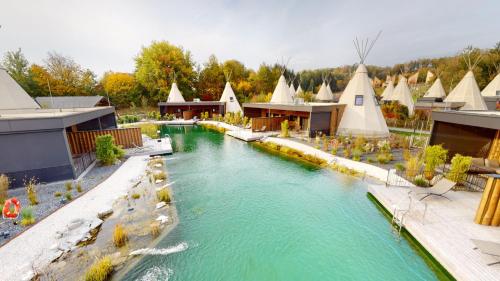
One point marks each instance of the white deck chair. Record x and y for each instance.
(439, 189)
(488, 248)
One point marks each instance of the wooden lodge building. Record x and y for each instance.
(313, 118)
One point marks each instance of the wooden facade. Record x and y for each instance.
(192, 109)
(271, 124)
(84, 141)
(495, 147)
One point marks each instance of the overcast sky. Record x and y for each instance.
(107, 35)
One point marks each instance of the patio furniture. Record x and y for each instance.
(488, 248)
(439, 189)
(484, 166)
(263, 129)
(488, 212)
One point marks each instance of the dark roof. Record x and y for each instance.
(483, 119)
(69, 101)
(48, 119)
(306, 107)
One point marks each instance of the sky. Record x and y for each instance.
(107, 35)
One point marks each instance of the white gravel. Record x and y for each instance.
(39, 245)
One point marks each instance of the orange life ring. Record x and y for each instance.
(7, 213)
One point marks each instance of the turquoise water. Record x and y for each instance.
(249, 215)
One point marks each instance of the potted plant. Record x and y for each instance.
(459, 167)
(434, 156)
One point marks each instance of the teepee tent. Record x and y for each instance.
(175, 95)
(12, 96)
(429, 76)
(281, 93)
(323, 93)
(330, 93)
(413, 80)
(292, 90)
(387, 94)
(299, 91)
(436, 90)
(362, 115)
(402, 94)
(493, 88)
(228, 96)
(467, 91)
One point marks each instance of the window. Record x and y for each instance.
(231, 99)
(358, 100)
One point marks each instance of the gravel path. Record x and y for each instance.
(48, 202)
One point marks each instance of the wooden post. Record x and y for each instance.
(488, 212)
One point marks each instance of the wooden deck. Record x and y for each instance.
(446, 229)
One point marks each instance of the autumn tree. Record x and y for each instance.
(156, 65)
(211, 80)
(122, 88)
(18, 67)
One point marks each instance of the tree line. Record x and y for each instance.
(161, 63)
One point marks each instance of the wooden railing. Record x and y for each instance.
(84, 141)
(270, 123)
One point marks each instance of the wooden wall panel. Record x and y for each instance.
(84, 141)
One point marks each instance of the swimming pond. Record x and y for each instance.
(249, 215)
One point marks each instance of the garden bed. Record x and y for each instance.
(49, 202)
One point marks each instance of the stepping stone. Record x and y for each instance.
(162, 219)
(160, 205)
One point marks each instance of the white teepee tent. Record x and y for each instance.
(12, 96)
(323, 93)
(493, 88)
(299, 91)
(330, 93)
(281, 93)
(175, 95)
(402, 94)
(362, 114)
(228, 96)
(387, 94)
(467, 91)
(292, 90)
(429, 76)
(436, 90)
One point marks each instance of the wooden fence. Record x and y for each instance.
(271, 124)
(84, 141)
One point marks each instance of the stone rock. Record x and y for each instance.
(158, 165)
(158, 181)
(105, 213)
(162, 219)
(74, 224)
(160, 205)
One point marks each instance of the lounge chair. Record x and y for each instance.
(439, 189)
(488, 248)
(263, 129)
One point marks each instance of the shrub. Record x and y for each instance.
(68, 185)
(163, 195)
(284, 129)
(155, 229)
(434, 156)
(105, 149)
(384, 158)
(136, 196)
(370, 160)
(79, 187)
(413, 166)
(57, 194)
(128, 119)
(149, 129)
(118, 151)
(4, 187)
(30, 187)
(100, 271)
(27, 216)
(359, 142)
(384, 146)
(369, 147)
(334, 151)
(459, 167)
(420, 181)
(347, 151)
(68, 196)
(399, 166)
(160, 176)
(155, 115)
(120, 236)
(356, 154)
